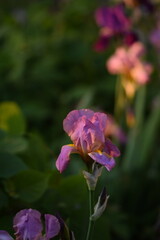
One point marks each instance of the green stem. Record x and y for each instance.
(91, 210)
(120, 99)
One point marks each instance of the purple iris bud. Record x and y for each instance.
(27, 224)
(87, 132)
(5, 235)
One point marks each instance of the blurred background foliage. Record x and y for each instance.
(47, 68)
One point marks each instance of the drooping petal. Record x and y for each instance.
(111, 149)
(141, 72)
(119, 62)
(70, 121)
(103, 159)
(5, 235)
(27, 224)
(52, 226)
(64, 156)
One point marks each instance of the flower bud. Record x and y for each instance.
(100, 206)
(92, 178)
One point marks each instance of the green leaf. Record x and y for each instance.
(13, 144)
(3, 199)
(37, 155)
(10, 165)
(30, 185)
(11, 118)
(130, 149)
(149, 133)
(140, 106)
(134, 146)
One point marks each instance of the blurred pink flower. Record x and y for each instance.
(87, 132)
(128, 63)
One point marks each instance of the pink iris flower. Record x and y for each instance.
(128, 63)
(87, 132)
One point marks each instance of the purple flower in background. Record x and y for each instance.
(112, 21)
(112, 18)
(155, 38)
(27, 225)
(87, 132)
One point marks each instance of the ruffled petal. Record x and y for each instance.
(88, 136)
(52, 226)
(141, 72)
(103, 159)
(100, 120)
(136, 51)
(113, 18)
(5, 235)
(111, 149)
(27, 224)
(64, 156)
(70, 121)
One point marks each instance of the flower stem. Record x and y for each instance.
(91, 209)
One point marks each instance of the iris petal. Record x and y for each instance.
(5, 235)
(64, 157)
(103, 159)
(111, 149)
(72, 118)
(52, 226)
(27, 224)
(87, 136)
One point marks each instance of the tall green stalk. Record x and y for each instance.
(91, 210)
